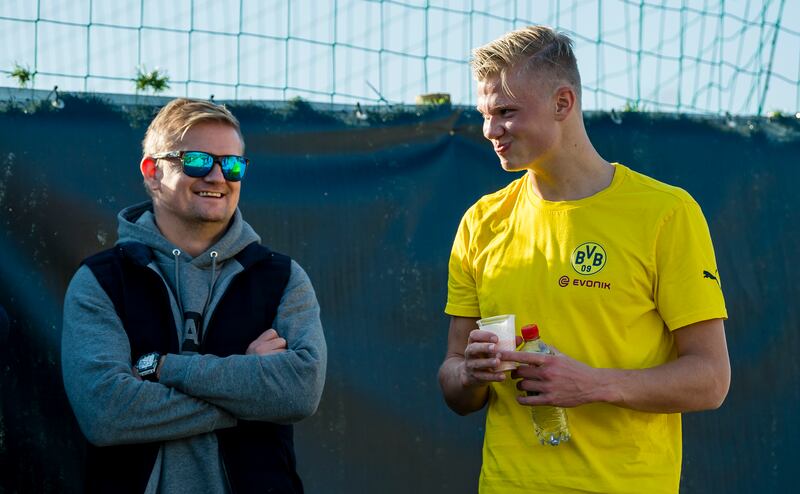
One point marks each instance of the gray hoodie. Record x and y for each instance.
(196, 394)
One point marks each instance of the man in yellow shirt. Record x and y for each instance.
(617, 269)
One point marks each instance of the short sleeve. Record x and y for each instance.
(688, 287)
(462, 294)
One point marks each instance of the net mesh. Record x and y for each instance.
(740, 57)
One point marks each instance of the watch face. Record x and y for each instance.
(147, 366)
(147, 361)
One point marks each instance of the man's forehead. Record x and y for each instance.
(201, 130)
(490, 84)
(491, 92)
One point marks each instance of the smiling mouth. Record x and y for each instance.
(501, 148)
(217, 195)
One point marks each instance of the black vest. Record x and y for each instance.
(258, 456)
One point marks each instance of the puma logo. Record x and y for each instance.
(710, 276)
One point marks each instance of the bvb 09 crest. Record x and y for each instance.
(588, 258)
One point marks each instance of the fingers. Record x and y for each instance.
(532, 387)
(268, 334)
(481, 358)
(527, 358)
(482, 364)
(483, 376)
(481, 371)
(276, 345)
(482, 336)
(534, 372)
(267, 343)
(535, 393)
(478, 350)
(534, 400)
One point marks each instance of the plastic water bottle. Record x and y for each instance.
(550, 423)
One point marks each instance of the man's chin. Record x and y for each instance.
(510, 166)
(215, 217)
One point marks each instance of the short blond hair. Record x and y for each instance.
(537, 49)
(175, 119)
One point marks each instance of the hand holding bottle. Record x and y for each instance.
(549, 422)
(558, 379)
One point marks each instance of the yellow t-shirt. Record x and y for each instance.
(606, 278)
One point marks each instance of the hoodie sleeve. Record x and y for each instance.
(111, 405)
(283, 387)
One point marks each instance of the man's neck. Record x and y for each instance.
(191, 239)
(577, 172)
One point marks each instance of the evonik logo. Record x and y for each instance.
(565, 281)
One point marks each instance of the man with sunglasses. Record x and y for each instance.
(189, 348)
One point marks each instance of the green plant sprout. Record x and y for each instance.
(23, 75)
(153, 80)
(633, 107)
(435, 99)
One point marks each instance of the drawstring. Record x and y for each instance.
(177, 253)
(214, 254)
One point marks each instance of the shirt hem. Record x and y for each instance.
(461, 311)
(695, 317)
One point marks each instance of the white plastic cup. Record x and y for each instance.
(502, 326)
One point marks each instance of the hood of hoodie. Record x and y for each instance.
(137, 223)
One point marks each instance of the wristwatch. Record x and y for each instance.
(147, 365)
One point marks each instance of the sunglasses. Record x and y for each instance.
(198, 164)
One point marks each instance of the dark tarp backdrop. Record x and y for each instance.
(369, 207)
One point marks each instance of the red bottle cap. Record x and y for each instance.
(530, 332)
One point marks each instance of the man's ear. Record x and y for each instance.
(565, 100)
(151, 173)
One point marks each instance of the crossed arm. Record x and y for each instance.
(114, 407)
(281, 376)
(697, 380)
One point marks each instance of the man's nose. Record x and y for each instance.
(492, 128)
(215, 175)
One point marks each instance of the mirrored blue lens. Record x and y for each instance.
(233, 167)
(197, 164)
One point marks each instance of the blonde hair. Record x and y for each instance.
(175, 119)
(537, 49)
